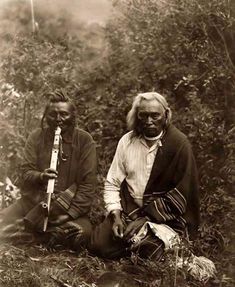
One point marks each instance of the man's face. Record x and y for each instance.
(151, 117)
(59, 114)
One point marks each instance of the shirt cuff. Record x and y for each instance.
(113, 206)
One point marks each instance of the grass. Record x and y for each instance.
(35, 266)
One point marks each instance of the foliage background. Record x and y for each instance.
(183, 49)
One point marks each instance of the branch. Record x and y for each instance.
(225, 47)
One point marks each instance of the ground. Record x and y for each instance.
(35, 266)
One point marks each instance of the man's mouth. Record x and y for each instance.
(150, 127)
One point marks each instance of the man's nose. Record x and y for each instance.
(149, 120)
(58, 117)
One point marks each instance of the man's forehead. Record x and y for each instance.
(151, 105)
(65, 106)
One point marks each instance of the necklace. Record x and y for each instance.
(153, 138)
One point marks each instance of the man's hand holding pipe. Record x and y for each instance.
(48, 173)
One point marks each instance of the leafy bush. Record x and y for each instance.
(183, 49)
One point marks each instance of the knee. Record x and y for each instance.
(96, 244)
(99, 250)
(11, 213)
(100, 241)
(81, 238)
(104, 245)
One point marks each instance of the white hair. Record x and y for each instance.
(132, 120)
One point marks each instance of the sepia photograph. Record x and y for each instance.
(117, 143)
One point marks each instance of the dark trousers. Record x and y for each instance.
(74, 234)
(104, 244)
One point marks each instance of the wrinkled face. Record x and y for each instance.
(151, 117)
(60, 114)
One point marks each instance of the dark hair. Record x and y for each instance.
(59, 95)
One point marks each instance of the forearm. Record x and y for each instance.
(166, 207)
(82, 201)
(31, 177)
(30, 174)
(32, 185)
(76, 200)
(112, 196)
(85, 181)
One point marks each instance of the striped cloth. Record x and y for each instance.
(167, 208)
(64, 198)
(60, 204)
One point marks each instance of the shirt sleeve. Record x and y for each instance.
(30, 174)
(82, 200)
(115, 177)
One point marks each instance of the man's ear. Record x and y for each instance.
(166, 114)
(166, 118)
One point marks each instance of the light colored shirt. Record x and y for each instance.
(133, 162)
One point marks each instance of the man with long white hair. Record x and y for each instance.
(151, 190)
